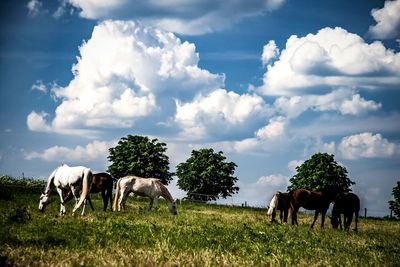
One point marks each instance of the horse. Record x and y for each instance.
(311, 200)
(279, 202)
(103, 182)
(66, 179)
(149, 187)
(346, 204)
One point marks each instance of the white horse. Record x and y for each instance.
(149, 187)
(77, 180)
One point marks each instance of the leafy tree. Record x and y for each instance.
(321, 171)
(394, 205)
(140, 156)
(207, 172)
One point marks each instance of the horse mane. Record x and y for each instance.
(164, 191)
(273, 204)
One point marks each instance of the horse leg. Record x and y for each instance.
(356, 220)
(90, 202)
(104, 197)
(62, 204)
(122, 199)
(315, 218)
(340, 222)
(110, 195)
(285, 215)
(323, 213)
(349, 220)
(294, 215)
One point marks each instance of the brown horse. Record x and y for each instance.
(279, 202)
(103, 182)
(311, 200)
(346, 204)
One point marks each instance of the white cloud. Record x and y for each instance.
(39, 86)
(343, 100)
(34, 7)
(274, 129)
(218, 112)
(275, 180)
(121, 70)
(91, 152)
(186, 17)
(270, 51)
(388, 21)
(367, 145)
(334, 125)
(331, 58)
(293, 164)
(37, 122)
(358, 105)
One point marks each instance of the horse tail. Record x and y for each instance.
(273, 205)
(118, 187)
(86, 184)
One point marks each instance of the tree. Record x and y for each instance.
(206, 173)
(394, 205)
(321, 171)
(140, 156)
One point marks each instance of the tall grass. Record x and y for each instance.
(200, 235)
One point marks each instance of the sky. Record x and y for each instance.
(268, 82)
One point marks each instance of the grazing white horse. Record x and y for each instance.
(149, 187)
(66, 179)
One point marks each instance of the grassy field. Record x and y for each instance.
(201, 235)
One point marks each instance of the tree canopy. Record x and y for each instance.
(394, 204)
(207, 176)
(140, 156)
(320, 172)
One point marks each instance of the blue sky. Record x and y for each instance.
(268, 82)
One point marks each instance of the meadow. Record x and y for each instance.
(200, 235)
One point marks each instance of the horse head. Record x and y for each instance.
(172, 207)
(334, 221)
(44, 201)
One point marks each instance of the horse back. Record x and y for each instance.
(346, 203)
(66, 176)
(308, 199)
(101, 182)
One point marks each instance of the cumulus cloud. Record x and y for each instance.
(275, 180)
(219, 112)
(121, 70)
(34, 7)
(91, 152)
(387, 21)
(270, 51)
(330, 58)
(39, 86)
(185, 17)
(367, 145)
(293, 164)
(274, 129)
(37, 122)
(343, 100)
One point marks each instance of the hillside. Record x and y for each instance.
(200, 235)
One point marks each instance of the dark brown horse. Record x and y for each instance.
(279, 202)
(346, 204)
(103, 182)
(311, 200)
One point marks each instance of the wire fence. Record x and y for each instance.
(8, 189)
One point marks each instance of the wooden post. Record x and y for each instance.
(365, 212)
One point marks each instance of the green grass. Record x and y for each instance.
(201, 235)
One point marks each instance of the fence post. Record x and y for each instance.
(365, 212)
